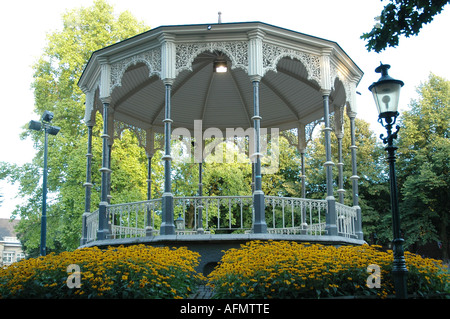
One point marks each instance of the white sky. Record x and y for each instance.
(24, 25)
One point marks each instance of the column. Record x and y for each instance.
(105, 96)
(110, 145)
(330, 227)
(200, 229)
(301, 147)
(167, 225)
(168, 74)
(259, 225)
(255, 71)
(340, 166)
(87, 185)
(325, 69)
(339, 132)
(103, 222)
(354, 178)
(149, 149)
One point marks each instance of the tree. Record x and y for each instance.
(401, 17)
(423, 165)
(55, 77)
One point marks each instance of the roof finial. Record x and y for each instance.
(220, 17)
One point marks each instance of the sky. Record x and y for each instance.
(24, 26)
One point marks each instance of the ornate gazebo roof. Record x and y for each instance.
(295, 70)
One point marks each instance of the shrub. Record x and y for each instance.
(292, 270)
(117, 272)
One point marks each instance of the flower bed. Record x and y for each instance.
(271, 269)
(117, 272)
(291, 270)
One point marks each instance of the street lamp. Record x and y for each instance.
(386, 93)
(52, 130)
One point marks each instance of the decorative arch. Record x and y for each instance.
(272, 54)
(187, 52)
(349, 86)
(151, 58)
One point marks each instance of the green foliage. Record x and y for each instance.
(423, 165)
(401, 17)
(56, 74)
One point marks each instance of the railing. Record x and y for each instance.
(290, 215)
(346, 220)
(219, 213)
(91, 226)
(132, 219)
(225, 214)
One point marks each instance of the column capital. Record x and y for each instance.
(351, 114)
(90, 122)
(325, 70)
(255, 78)
(255, 55)
(105, 79)
(168, 56)
(106, 100)
(168, 81)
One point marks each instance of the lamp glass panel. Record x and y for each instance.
(386, 96)
(179, 222)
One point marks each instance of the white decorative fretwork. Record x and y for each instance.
(272, 54)
(187, 52)
(347, 84)
(151, 58)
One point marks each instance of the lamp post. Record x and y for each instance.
(386, 93)
(53, 130)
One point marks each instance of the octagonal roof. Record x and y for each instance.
(294, 70)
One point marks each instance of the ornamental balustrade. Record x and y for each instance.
(225, 214)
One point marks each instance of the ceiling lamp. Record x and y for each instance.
(220, 66)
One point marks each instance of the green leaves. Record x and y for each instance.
(423, 164)
(401, 17)
(56, 74)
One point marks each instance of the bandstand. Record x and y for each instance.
(228, 79)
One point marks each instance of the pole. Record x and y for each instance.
(259, 226)
(167, 225)
(43, 248)
(399, 270)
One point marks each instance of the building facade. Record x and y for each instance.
(10, 246)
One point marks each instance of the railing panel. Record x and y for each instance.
(346, 220)
(130, 219)
(295, 215)
(92, 226)
(219, 213)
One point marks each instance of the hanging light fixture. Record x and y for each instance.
(220, 66)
